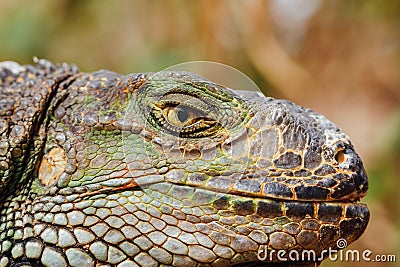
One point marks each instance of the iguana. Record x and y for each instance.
(167, 169)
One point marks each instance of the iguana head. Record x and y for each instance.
(172, 168)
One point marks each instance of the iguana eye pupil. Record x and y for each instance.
(183, 115)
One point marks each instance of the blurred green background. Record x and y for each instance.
(338, 57)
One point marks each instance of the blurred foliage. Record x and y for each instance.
(342, 59)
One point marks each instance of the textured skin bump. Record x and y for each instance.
(166, 169)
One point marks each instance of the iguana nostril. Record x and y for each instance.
(340, 156)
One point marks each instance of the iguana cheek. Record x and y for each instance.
(52, 166)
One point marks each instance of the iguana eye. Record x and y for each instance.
(184, 121)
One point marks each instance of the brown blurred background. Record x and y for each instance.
(338, 57)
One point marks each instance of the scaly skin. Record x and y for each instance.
(101, 169)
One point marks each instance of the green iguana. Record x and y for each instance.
(167, 169)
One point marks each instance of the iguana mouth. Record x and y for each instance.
(251, 188)
(351, 207)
